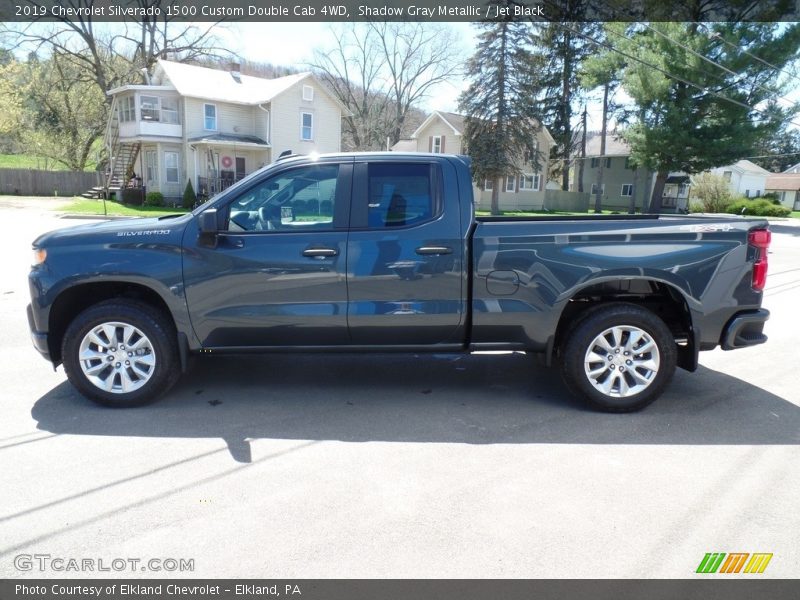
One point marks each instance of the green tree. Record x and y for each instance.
(499, 105)
(61, 114)
(559, 52)
(780, 151)
(692, 115)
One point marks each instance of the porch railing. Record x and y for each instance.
(207, 187)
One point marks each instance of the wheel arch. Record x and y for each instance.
(75, 299)
(660, 297)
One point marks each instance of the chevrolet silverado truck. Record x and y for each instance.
(382, 252)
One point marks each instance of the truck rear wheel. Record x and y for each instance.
(619, 357)
(121, 353)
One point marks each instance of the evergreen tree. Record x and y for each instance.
(500, 108)
(559, 52)
(692, 115)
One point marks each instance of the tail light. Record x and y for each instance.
(760, 239)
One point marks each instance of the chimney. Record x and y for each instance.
(235, 72)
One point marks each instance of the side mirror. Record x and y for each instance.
(208, 226)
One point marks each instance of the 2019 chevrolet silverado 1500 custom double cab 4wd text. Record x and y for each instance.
(383, 252)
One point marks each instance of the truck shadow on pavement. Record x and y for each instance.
(441, 398)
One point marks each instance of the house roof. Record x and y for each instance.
(405, 146)
(615, 144)
(752, 167)
(229, 138)
(456, 122)
(793, 169)
(220, 85)
(783, 181)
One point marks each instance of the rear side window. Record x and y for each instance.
(402, 194)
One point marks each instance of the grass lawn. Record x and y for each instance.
(85, 206)
(28, 161)
(795, 214)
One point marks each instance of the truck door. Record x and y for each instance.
(277, 275)
(405, 263)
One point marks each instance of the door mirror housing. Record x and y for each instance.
(209, 227)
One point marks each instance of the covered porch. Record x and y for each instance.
(221, 160)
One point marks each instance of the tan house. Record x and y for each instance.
(212, 127)
(787, 187)
(442, 132)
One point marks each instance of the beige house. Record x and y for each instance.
(442, 132)
(787, 187)
(212, 127)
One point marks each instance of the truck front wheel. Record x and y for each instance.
(121, 353)
(619, 357)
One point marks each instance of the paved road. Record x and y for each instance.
(392, 466)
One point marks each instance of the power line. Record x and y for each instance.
(663, 72)
(718, 36)
(715, 63)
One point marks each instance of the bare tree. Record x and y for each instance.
(380, 71)
(115, 55)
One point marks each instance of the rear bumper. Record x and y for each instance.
(39, 338)
(745, 329)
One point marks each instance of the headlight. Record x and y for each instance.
(39, 255)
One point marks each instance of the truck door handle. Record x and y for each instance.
(434, 250)
(320, 252)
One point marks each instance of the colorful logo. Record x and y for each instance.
(734, 562)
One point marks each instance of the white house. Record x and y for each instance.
(442, 132)
(212, 127)
(745, 178)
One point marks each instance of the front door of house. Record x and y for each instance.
(240, 168)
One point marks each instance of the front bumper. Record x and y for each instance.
(39, 338)
(745, 329)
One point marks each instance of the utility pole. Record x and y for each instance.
(583, 152)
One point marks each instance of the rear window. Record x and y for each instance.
(402, 194)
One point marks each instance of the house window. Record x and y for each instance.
(488, 185)
(602, 189)
(726, 175)
(747, 193)
(306, 127)
(608, 163)
(627, 189)
(148, 107)
(151, 167)
(595, 163)
(683, 189)
(511, 183)
(171, 167)
(628, 164)
(127, 109)
(529, 182)
(308, 93)
(169, 110)
(436, 144)
(210, 117)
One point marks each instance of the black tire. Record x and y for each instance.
(163, 351)
(622, 372)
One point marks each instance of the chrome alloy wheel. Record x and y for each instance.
(622, 361)
(117, 357)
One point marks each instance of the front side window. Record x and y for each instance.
(151, 169)
(436, 144)
(127, 109)
(401, 194)
(627, 189)
(595, 188)
(488, 185)
(171, 167)
(306, 127)
(297, 200)
(210, 117)
(510, 181)
(529, 182)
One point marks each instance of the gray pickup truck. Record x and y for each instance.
(382, 252)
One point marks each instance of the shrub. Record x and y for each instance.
(712, 192)
(189, 197)
(758, 208)
(154, 199)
